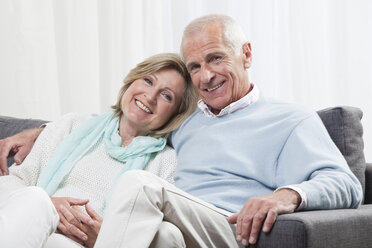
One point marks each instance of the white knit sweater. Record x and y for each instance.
(92, 176)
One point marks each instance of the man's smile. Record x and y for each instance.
(215, 87)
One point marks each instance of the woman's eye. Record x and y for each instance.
(167, 96)
(148, 81)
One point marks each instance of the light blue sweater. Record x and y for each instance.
(251, 152)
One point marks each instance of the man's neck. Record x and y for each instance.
(217, 111)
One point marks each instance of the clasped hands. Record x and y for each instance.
(262, 212)
(74, 223)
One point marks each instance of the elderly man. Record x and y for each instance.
(240, 156)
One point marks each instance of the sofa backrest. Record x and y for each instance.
(343, 125)
(345, 128)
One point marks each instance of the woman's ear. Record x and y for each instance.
(247, 55)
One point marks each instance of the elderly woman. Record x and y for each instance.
(76, 161)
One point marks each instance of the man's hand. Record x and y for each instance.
(18, 145)
(262, 210)
(71, 218)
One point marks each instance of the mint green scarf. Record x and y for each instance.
(79, 141)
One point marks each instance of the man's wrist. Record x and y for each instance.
(36, 132)
(291, 195)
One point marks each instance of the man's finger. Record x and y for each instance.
(239, 228)
(256, 227)
(232, 218)
(21, 154)
(5, 148)
(270, 220)
(246, 226)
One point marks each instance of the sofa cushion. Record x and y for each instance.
(10, 126)
(345, 128)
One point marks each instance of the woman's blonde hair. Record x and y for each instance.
(154, 64)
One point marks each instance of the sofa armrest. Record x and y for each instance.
(323, 228)
(368, 195)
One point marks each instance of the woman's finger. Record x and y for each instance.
(81, 216)
(92, 213)
(72, 228)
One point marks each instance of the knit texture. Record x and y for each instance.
(92, 176)
(227, 160)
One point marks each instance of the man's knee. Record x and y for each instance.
(168, 235)
(133, 178)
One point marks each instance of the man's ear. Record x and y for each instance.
(247, 55)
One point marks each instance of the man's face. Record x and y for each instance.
(217, 72)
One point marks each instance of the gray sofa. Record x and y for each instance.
(321, 228)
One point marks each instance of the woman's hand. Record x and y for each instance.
(86, 231)
(71, 218)
(92, 227)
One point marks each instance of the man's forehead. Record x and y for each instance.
(200, 47)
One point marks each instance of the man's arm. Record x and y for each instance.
(263, 210)
(311, 162)
(18, 145)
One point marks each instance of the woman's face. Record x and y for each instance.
(150, 102)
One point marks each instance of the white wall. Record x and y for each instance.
(62, 56)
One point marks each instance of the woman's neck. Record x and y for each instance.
(128, 132)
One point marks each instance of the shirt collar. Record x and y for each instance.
(243, 102)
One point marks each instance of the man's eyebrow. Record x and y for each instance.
(211, 55)
(190, 65)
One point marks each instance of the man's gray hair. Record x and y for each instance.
(233, 35)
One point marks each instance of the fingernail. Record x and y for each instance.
(251, 240)
(239, 238)
(85, 238)
(91, 222)
(265, 229)
(244, 242)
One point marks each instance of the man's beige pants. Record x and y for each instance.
(141, 204)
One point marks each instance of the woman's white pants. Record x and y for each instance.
(27, 218)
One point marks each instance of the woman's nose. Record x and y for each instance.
(151, 97)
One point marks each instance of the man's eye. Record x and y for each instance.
(167, 96)
(216, 58)
(193, 68)
(148, 81)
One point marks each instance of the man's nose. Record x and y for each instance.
(206, 74)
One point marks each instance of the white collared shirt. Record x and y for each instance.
(243, 102)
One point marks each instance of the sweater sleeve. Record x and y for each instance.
(164, 164)
(27, 173)
(318, 168)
